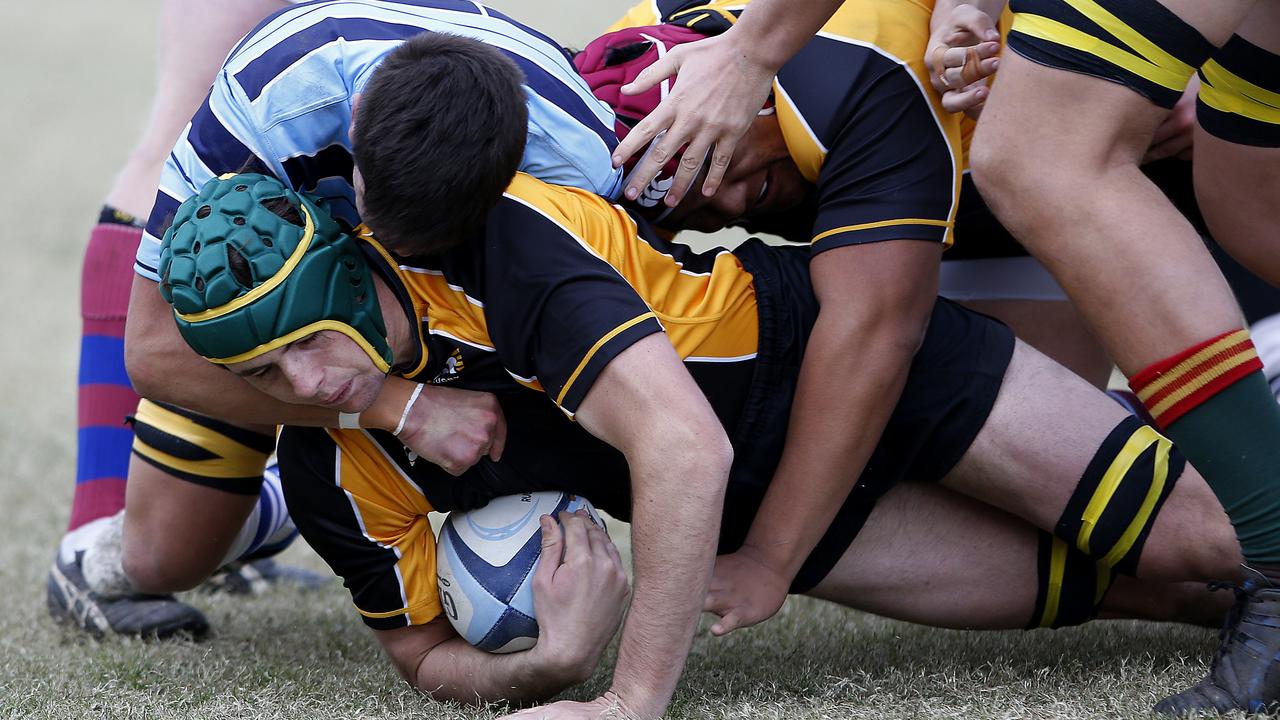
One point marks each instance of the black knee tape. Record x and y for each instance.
(1239, 99)
(1114, 505)
(200, 450)
(1070, 585)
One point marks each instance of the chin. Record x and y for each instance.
(362, 397)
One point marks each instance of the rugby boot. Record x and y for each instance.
(149, 616)
(1245, 674)
(254, 577)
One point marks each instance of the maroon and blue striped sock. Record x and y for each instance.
(105, 396)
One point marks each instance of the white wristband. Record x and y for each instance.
(407, 407)
(349, 421)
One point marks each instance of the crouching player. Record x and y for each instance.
(1019, 492)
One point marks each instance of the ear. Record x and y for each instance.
(351, 127)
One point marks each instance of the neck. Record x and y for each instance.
(397, 324)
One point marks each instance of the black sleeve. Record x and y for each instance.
(557, 312)
(889, 172)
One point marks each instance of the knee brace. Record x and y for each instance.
(1113, 507)
(200, 450)
(1070, 585)
(1239, 98)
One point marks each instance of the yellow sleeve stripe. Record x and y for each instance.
(1227, 92)
(880, 224)
(596, 348)
(1138, 442)
(419, 613)
(1156, 65)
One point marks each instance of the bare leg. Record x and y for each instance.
(1118, 247)
(1041, 434)
(176, 533)
(195, 37)
(933, 556)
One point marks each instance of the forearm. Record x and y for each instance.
(772, 31)
(454, 670)
(675, 525)
(834, 429)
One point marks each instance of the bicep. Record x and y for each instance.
(643, 395)
(890, 275)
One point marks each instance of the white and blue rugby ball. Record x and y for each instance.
(484, 566)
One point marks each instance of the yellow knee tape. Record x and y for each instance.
(1239, 99)
(1111, 511)
(1070, 585)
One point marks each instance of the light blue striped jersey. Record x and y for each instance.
(284, 96)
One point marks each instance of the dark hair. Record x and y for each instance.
(439, 134)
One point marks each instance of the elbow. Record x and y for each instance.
(147, 369)
(896, 327)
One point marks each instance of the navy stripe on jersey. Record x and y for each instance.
(255, 76)
(213, 142)
(262, 70)
(307, 171)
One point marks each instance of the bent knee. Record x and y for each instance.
(160, 569)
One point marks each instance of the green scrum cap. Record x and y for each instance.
(294, 280)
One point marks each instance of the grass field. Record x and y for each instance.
(75, 103)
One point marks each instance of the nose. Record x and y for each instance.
(304, 378)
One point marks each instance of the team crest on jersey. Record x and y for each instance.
(453, 366)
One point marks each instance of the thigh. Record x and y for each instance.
(1041, 434)
(1129, 261)
(192, 483)
(932, 556)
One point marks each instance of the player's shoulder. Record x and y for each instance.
(543, 207)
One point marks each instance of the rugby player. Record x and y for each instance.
(865, 157)
(1083, 90)
(658, 383)
(285, 99)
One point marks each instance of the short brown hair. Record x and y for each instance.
(439, 134)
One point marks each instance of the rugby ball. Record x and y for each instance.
(485, 561)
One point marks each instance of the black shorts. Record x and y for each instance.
(951, 387)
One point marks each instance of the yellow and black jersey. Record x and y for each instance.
(533, 308)
(557, 284)
(560, 283)
(859, 117)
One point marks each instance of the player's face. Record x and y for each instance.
(326, 368)
(761, 179)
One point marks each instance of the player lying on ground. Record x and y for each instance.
(670, 377)
(286, 97)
